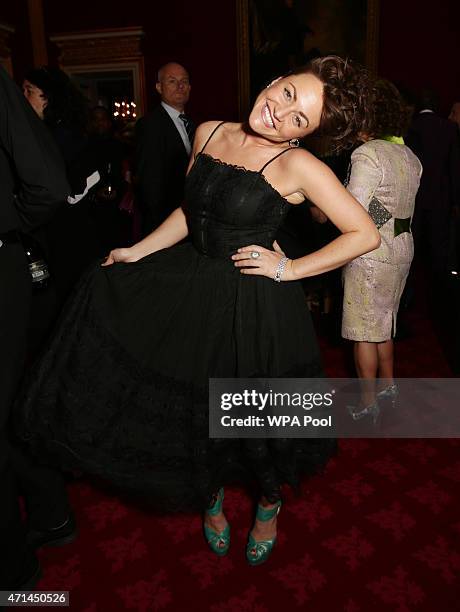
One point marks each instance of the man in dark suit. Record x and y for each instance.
(455, 258)
(32, 185)
(435, 141)
(163, 142)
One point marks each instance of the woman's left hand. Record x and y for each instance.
(264, 264)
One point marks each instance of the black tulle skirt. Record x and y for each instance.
(121, 391)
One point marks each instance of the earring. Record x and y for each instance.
(294, 142)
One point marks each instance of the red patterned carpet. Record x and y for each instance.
(379, 531)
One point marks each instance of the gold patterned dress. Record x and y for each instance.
(384, 178)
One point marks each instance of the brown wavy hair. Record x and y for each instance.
(346, 99)
(390, 114)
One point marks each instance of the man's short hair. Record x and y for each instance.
(161, 69)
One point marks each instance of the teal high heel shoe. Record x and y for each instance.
(258, 552)
(219, 543)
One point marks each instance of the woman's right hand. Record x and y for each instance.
(119, 255)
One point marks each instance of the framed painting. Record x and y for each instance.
(276, 35)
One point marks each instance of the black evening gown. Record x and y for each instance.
(122, 389)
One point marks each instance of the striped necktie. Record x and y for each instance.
(189, 126)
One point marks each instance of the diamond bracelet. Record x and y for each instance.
(280, 269)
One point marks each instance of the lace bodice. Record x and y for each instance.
(228, 206)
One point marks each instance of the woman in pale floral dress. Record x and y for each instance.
(384, 178)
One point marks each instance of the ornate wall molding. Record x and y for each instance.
(105, 51)
(99, 46)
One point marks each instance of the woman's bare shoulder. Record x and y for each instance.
(301, 160)
(204, 130)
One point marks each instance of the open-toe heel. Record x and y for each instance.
(258, 552)
(219, 543)
(372, 411)
(390, 393)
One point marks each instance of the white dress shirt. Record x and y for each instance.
(174, 114)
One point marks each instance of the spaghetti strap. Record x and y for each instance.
(211, 135)
(275, 157)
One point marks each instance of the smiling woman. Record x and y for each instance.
(329, 96)
(163, 317)
(280, 109)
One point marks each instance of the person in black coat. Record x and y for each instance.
(435, 141)
(163, 145)
(107, 155)
(63, 109)
(32, 187)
